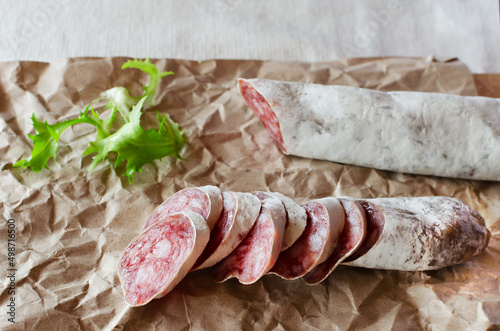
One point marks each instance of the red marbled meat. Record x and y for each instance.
(261, 108)
(205, 200)
(351, 238)
(325, 221)
(296, 218)
(258, 252)
(239, 213)
(159, 258)
(374, 223)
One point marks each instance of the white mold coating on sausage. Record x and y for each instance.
(423, 233)
(413, 132)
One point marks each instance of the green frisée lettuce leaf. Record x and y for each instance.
(120, 98)
(131, 142)
(137, 146)
(46, 141)
(155, 76)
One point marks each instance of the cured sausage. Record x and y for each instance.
(159, 258)
(296, 218)
(204, 200)
(239, 213)
(412, 132)
(325, 222)
(247, 240)
(258, 252)
(350, 240)
(420, 234)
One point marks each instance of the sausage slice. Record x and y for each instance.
(204, 200)
(351, 239)
(159, 258)
(239, 213)
(325, 222)
(258, 252)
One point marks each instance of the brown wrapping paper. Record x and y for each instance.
(72, 225)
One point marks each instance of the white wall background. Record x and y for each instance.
(301, 30)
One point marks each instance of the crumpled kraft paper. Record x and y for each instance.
(72, 224)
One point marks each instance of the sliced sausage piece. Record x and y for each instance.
(204, 200)
(296, 218)
(159, 258)
(325, 222)
(420, 233)
(374, 224)
(351, 239)
(239, 213)
(258, 252)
